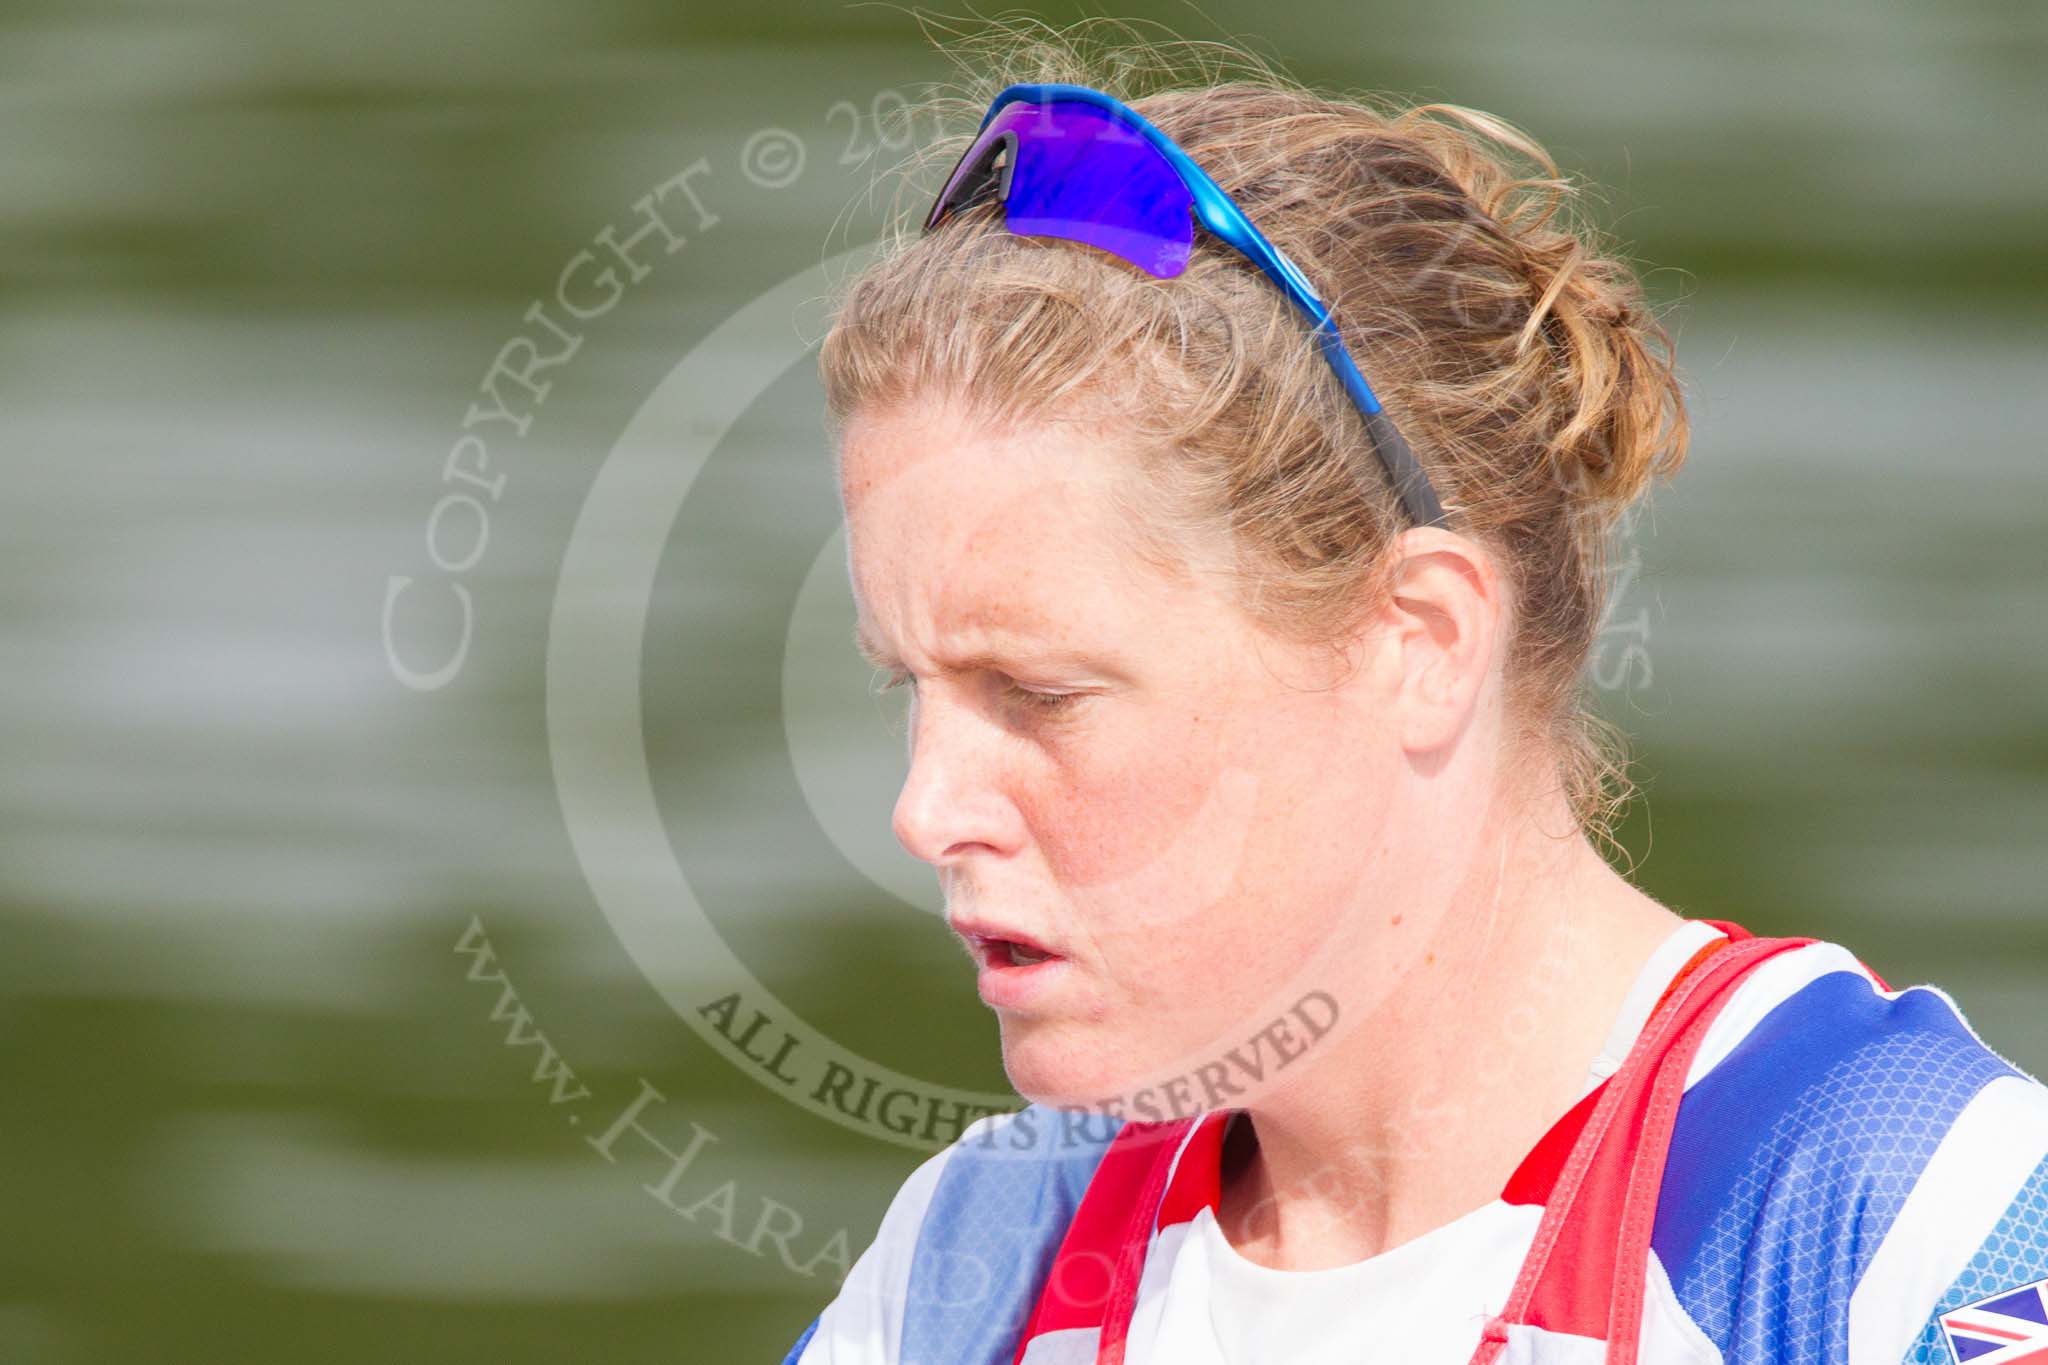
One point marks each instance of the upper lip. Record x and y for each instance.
(979, 934)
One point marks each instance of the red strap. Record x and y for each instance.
(1585, 1270)
(1137, 1241)
(1534, 1179)
(1093, 1279)
(1736, 931)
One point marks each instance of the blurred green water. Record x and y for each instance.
(258, 259)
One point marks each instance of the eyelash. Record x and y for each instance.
(1045, 703)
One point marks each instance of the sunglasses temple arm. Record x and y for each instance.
(1417, 494)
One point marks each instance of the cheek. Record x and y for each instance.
(1142, 827)
(1198, 859)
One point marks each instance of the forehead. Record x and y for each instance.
(984, 534)
(928, 479)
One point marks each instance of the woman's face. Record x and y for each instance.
(1156, 826)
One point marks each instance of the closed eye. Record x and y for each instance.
(1046, 702)
(1027, 698)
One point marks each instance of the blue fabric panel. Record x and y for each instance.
(1792, 1157)
(997, 1217)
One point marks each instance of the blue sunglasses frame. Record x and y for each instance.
(1219, 213)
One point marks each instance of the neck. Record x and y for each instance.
(1419, 1113)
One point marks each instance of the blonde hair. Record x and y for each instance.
(1513, 349)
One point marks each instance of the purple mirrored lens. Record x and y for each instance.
(1079, 174)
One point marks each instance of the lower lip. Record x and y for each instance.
(1007, 986)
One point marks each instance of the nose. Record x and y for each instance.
(952, 801)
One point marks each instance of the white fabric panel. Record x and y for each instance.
(1669, 1335)
(1997, 1141)
(1069, 1346)
(1534, 1346)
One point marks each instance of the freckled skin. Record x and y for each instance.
(1156, 833)
(1218, 822)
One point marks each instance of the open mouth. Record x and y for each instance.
(1009, 952)
(1017, 954)
(1015, 973)
(994, 946)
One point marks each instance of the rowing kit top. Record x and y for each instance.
(1776, 1158)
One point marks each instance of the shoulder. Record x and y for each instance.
(961, 1252)
(1839, 1149)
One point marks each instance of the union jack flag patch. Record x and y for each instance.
(2008, 1328)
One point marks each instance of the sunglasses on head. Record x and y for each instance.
(1071, 162)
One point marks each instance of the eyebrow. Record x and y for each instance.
(880, 656)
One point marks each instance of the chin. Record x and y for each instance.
(1049, 1066)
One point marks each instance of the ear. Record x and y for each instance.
(1443, 619)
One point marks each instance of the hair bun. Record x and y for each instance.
(1609, 414)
